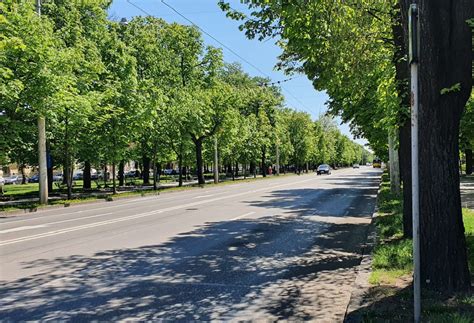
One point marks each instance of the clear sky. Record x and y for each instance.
(299, 92)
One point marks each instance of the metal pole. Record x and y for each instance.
(42, 162)
(43, 168)
(216, 162)
(38, 7)
(277, 160)
(414, 60)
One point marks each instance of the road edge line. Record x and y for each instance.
(361, 283)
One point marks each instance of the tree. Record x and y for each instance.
(445, 83)
(31, 75)
(300, 133)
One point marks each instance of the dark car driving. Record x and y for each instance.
(324, 169)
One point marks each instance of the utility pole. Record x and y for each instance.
(277, 160)
(216, 162)
(414, 52)
(43, 166)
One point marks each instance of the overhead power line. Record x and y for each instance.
(243, 59)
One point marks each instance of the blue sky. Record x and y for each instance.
(299, 92)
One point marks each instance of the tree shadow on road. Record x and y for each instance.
(221, 270)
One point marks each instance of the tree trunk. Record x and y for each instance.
(445, 60)
(87, 175)
(106, 176)
(49, 165)
(121, 172)
(70, 172)
(146, 170)
(252, 167)
(405, 172)
(200, 175)
(468, 153)
(394, 164)
(264, 162)
(65, 173)
(114, 187)
(277, 148)
(180, 170)
(216, 162)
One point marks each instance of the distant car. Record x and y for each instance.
(132, 174)
(323, 169)
(57, 177)
(355, 166)
(2, 180)
(34, 179)
(169, 171)
(78, 175)
(14, 179)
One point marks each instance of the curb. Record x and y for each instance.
(361, 284)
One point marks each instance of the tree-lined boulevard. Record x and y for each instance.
(81, 90)
(282, 248)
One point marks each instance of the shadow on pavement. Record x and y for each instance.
(297, 266)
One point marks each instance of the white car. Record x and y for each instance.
(14, 179)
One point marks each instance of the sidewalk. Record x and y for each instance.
(467, 191)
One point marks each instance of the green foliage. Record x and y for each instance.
(151, 89)
(455, 88)
(345, 48)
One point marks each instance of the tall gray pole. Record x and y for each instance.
(277, 160)
(414, 60)
(43, 167)
(216, 162)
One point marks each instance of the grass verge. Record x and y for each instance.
(391, 295)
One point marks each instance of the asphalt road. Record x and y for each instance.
(280, 248)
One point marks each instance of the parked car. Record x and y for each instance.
(34, 179)
(14, 179)
(57, 177)
(132, 174)
(355, 166)
(169, 171)
(78, 175)
(324, 169)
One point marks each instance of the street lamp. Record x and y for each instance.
(123, 21)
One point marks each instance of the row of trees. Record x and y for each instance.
(146, 90)
(357, 51)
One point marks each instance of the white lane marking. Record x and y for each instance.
(28, 227)
(81, 218)
(202, 196)
(137, 216)
(81, 227)
(242, 216)
(125, 203)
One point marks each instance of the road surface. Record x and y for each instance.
(280, 248)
